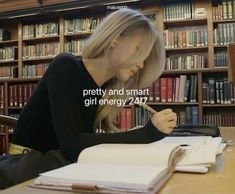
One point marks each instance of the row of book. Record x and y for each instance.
(41, 50)
(174, 89)
(124, 119)
(29, 71)
(222, 119)
(170, 89)
(40, 30)
(224, 33)
(74, 47)
(34, 70)
(81, 25)
(20, 93)
(141, 117)
(224, 10)
(8, 72)
(221, 59)
(187, 116)
(4, 34)
(218, 91)
(193, 61)
(9, 53)
(179, 10)
(182, 39)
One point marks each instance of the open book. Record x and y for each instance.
(133, 168)
(116, 168)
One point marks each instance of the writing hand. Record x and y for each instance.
(164, 120)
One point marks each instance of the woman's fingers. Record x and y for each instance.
(164, 120)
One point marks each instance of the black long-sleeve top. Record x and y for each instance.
(56, 117)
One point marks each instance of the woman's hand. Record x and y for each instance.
(164, 120)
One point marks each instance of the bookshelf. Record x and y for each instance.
(212, 70)
(34, 41)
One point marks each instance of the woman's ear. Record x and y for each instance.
(115, 41)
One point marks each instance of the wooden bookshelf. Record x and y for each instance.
(208, 23)
(212, 51)
(218, 105)
(223, 21)
(9, 42)
(231, 58)
(172, 103)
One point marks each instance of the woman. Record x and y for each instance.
(125, 51)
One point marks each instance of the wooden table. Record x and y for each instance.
(219, 180)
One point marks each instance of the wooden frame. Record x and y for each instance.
(7, 120)
(231, 62)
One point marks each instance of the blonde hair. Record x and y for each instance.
(124, 22)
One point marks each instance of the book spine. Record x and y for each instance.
(224, 8)
(217, 91)
(163, 86)
(204, 92)
(157, 91)
(211, 91)
(123, 119)
(128, 118)
(169, 91)
(194, 115)
(20, 95)
(188, 114)
(1, 96)
(182, 84)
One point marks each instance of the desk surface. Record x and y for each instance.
(219, 180)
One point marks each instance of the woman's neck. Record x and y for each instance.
(99, 70)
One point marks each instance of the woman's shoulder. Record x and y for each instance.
(64, 65)
(65, 61)
(65, 57)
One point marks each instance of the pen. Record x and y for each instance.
(146, 107)
(184, 145)
(100, 188)
(87, 187)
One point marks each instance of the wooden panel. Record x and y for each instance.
(51, 2)
(17, 5)
(231, 62)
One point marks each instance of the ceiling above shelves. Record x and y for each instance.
(23, 8)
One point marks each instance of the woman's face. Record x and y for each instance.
(124, 48)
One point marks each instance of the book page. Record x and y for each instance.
(153, 154)
(125, 177)
(192, 168)
(189, 140)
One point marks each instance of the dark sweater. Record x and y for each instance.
(55, 117)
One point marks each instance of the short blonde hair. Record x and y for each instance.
(124, 22)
